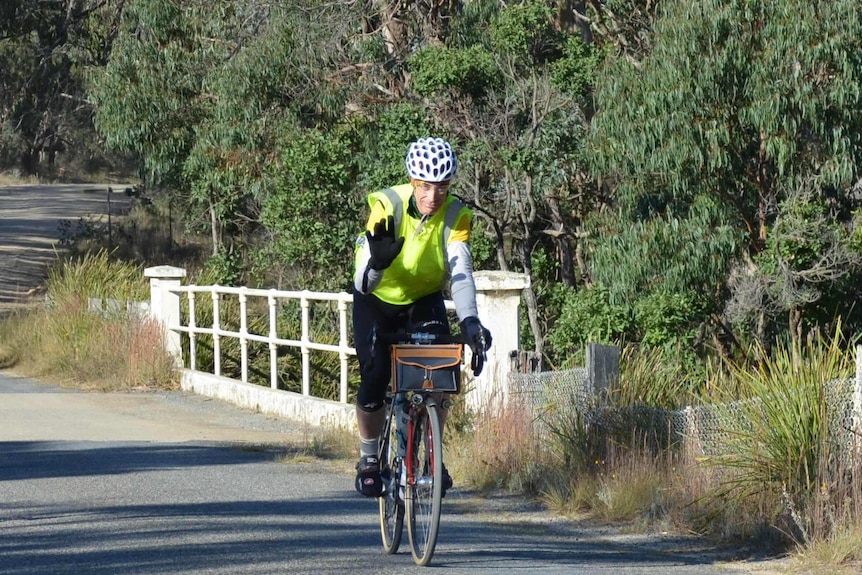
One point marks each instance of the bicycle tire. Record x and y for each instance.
(425, 488)
(391, 505)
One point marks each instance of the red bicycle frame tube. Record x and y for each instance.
(411, 430)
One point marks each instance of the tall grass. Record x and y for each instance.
(786, 439)
(501, 450)
(779, 474)
(68, 342)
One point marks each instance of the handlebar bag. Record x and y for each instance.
(427, 367)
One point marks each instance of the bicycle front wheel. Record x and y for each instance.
(425, 488)
(391, 505)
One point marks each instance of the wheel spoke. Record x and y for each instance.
(425, 488)
(391, 507)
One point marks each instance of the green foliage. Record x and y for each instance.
(474, 23)
(656, 377)
(312, 209)
(466, 71)
(574, 73)
(688, 253)
(45, 50)
(527, 33)
(588, 315)
(97, 275)
(384, 143)
(481, 247)
(224, 268)
(786, 438)
(665, 318)
(808, 265)
(775, 103)
(148, 97)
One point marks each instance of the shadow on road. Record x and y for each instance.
(97, 508)
(25, 460)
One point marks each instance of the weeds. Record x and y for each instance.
(69, 342)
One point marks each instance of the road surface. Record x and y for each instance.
(29, 233)
(168, 482)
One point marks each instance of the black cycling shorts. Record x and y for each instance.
(375, 366)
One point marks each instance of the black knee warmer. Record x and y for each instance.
(371, 406)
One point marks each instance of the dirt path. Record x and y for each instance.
(30, 217)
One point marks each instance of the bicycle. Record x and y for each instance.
(424, 367)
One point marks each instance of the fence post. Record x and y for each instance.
(603, 368)
(856, 433)
(498, 296)
(165, 304)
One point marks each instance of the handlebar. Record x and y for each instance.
(416, 337)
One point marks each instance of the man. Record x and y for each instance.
(416, 241)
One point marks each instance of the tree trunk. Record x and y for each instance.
(795, 320)
(214, 226)
(564, 248)
(394, 31)
(532, 304)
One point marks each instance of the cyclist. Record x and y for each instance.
(416, 241)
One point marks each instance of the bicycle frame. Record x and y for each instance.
(428, 400)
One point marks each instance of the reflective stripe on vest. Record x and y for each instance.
(453, 210)
(416, 272)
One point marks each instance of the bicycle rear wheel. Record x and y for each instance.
(425, 490)
(391, 506)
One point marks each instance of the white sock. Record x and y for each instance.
(368, 446)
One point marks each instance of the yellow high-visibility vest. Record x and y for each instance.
(420, 269)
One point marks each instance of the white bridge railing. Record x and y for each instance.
(498, 298)
(272, 338)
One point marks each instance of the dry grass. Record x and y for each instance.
(646, 485)
(333, 444)
(13, 179)
(67, 342)
(78, 347)
(840, 554)
(500, 451)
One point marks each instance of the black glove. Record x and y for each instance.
(383, 244)
(479, 340)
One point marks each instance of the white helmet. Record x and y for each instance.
(431, 160)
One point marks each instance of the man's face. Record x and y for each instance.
(430, 196)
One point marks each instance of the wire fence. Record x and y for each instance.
(704, 430)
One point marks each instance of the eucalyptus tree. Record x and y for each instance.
(735, 105)
(206, 91)
(513, 89)
(45, 48)
(149, 98)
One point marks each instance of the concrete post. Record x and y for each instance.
(498, 296)
(165, 304)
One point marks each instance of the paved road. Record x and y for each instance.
(29, 218)
(171, 483)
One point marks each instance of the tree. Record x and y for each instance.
(512, 88)
(45, 49)
(312, 211)
(202, 91)
(776, 103)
